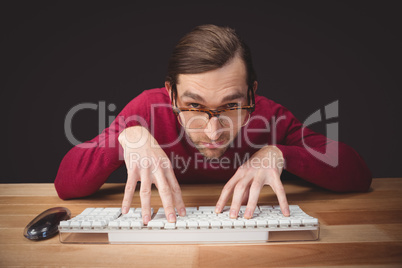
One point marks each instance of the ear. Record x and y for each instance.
(169, 89)
(255, 85)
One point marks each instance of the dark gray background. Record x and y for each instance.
(58, 54)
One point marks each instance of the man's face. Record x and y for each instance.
(218, 89)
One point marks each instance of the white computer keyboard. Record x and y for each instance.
(200, 225)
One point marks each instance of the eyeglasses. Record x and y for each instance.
(233, 117)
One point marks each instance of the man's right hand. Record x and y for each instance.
(147, 162)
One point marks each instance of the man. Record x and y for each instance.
(208, 125)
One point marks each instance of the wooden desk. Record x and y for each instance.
(357, 229)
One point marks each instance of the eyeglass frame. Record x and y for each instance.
(213, 113)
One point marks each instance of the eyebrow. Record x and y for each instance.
(193, 96)
(196, 97)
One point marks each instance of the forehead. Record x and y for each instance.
(216, 84)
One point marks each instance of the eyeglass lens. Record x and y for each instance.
(231, 118)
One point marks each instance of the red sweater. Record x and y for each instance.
(87, 166)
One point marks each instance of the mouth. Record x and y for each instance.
(212, 145)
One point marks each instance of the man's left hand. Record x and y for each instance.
(263, 168)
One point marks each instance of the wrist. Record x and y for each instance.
(275, 156)
(274, 150)
(133, 135)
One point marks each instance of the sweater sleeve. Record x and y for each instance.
(315, 158)
(87, 166)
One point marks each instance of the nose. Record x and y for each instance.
(213, 129)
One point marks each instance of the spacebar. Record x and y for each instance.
(186, 236)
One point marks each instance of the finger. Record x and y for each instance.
(277, 187)
(238, 193)
(227, 191)
(165, 194)
(132, 179)
(254, 193)
(176, 193)
(145, 195)
(244, 201)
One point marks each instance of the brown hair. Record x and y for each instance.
(206, 48)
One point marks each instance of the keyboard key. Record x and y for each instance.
(227, 224)
(192, 224)
(181, 224)
(238, 224)
(262, 223)
(190, 209)
(156, 224)
(265, 208)
(295, 222)
(87, 211)
(250, 223)
(64, 224)
(273, 223)
(284, 223)
(294, 208)
(136, 224)
(310, 222)
(207, 208)
(113, 225)
(124, 225)
(139, 210)
(170, 225)
(203, 224)
(161, 211)
(97, 210)
(242, 209)
(216, 224)
(75, 224)
(159, 217)
(98, 224)
(208, 212)
(112, 210)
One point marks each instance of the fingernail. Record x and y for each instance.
(172, 217)
(146, 219)
(286, 212)
(247, 214)
(183, 212)
(233, 213)
(125, 209)
(218, 209)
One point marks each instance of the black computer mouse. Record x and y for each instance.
(46, 224)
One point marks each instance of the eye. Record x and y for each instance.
(232, 105)
(194, 105)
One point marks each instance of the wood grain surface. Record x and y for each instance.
(357, 230)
